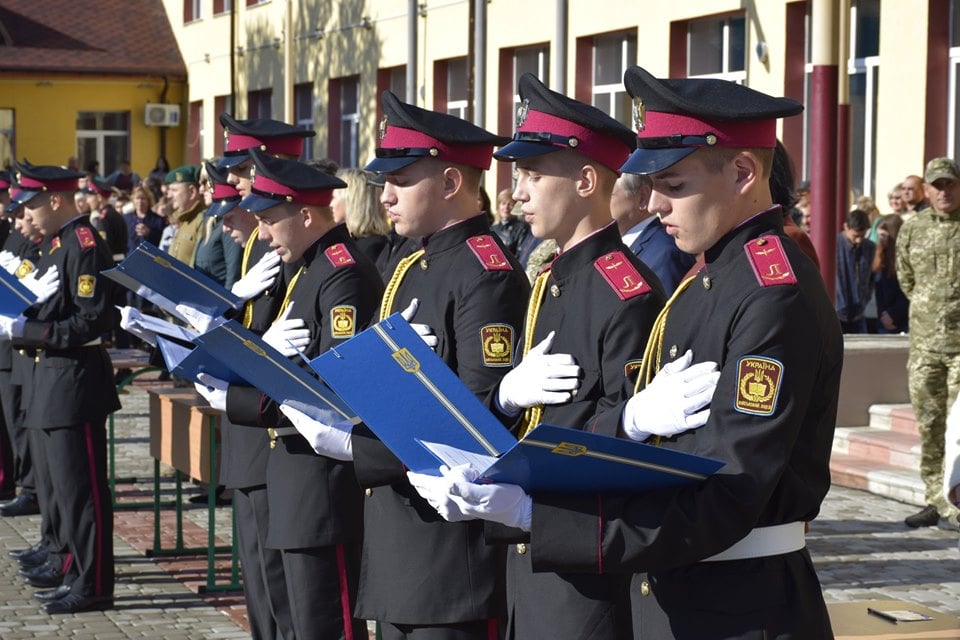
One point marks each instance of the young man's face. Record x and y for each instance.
(547, 193)
(41, 213)
(693, 202)
(411, 197)
(854, 236)
(282, 226)
(239, 223)
(944, 195)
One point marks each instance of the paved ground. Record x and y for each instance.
(861, 548)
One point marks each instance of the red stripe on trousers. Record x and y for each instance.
(97, 513)
(344, 593)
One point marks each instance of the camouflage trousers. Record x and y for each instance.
(934, 381)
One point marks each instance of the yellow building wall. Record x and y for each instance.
(46, 115)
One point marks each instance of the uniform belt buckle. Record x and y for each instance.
(273, 437)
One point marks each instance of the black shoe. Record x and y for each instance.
(8, 495)
(49, 595)
(22, 505)
(19, 553)
(203, 498)
(45, 577)
(948, 524)
(33, 559)
(925, 518)
(29, 572)
(73, 603)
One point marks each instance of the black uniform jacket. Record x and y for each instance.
(418, 568)
(71, 383)
(603, 322)
(244, 452)
(29, 253)
(779, 346)
(314, 500)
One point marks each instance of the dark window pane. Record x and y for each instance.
(608, 60)
(737, 45)
(705, 44)
(457, 79)
(868, 28)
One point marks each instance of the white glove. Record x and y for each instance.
(258, 278)
(213, 389)
(673, 400)
(331, 440)
(12, 327)
(200, 321)
(424, 331)
(436, 489)
(9, 262)
(288, 335)
(540, 378)
(43, 287)
(129, 317)
(504, 503)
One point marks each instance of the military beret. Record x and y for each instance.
(35, 179)
(225, 196)
(941, 169)
(409, 133)
(548, 121)
(189, 173)
(674, 118)
(277, 181)
(271, 136)
(98, 186)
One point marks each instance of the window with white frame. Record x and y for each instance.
(612, 54)
(303, 114)
(458, 93)
(535, 60)
(953, 112)
(716, 48)
(104, 137)
(349, 121)
(863, 70)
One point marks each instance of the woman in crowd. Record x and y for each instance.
(359, 206)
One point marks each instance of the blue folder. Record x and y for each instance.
(14, 297)
(279, 377)
(412, 400)
(188, 361)
(166, 282)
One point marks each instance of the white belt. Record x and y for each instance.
(765, 541)
(93, 343)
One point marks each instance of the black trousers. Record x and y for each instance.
(322, 587)
(264, 585)
(479, 630)
(14, 459)
(76, 469)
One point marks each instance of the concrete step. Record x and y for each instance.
(901, 450)
(858, 472)
(893, 417)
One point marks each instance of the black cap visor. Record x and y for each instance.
(647, 161)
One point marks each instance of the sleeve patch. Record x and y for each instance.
(758, 385)
(631, 367)
(497, 345)
(343, 321)
(24, 269)
(339, 256)
(85, 236)
(489, 254)
(86, 285)
(621, 275)
(769, 261)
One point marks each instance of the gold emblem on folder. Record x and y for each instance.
(406, 360)
(255, 348)
(569, 449)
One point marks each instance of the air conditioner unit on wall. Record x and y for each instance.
(162, 115)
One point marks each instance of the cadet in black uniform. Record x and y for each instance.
(725, 558)
(71, 366)
(314, 500)
(423, 577)
(599, 302)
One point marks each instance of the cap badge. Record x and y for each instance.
(639, 111)
(19, 177)
(253, 172)
(522, 111)
(383, 128)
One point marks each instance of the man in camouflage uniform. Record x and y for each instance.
(928, 266)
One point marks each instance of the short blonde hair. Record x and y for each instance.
(364, 215)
